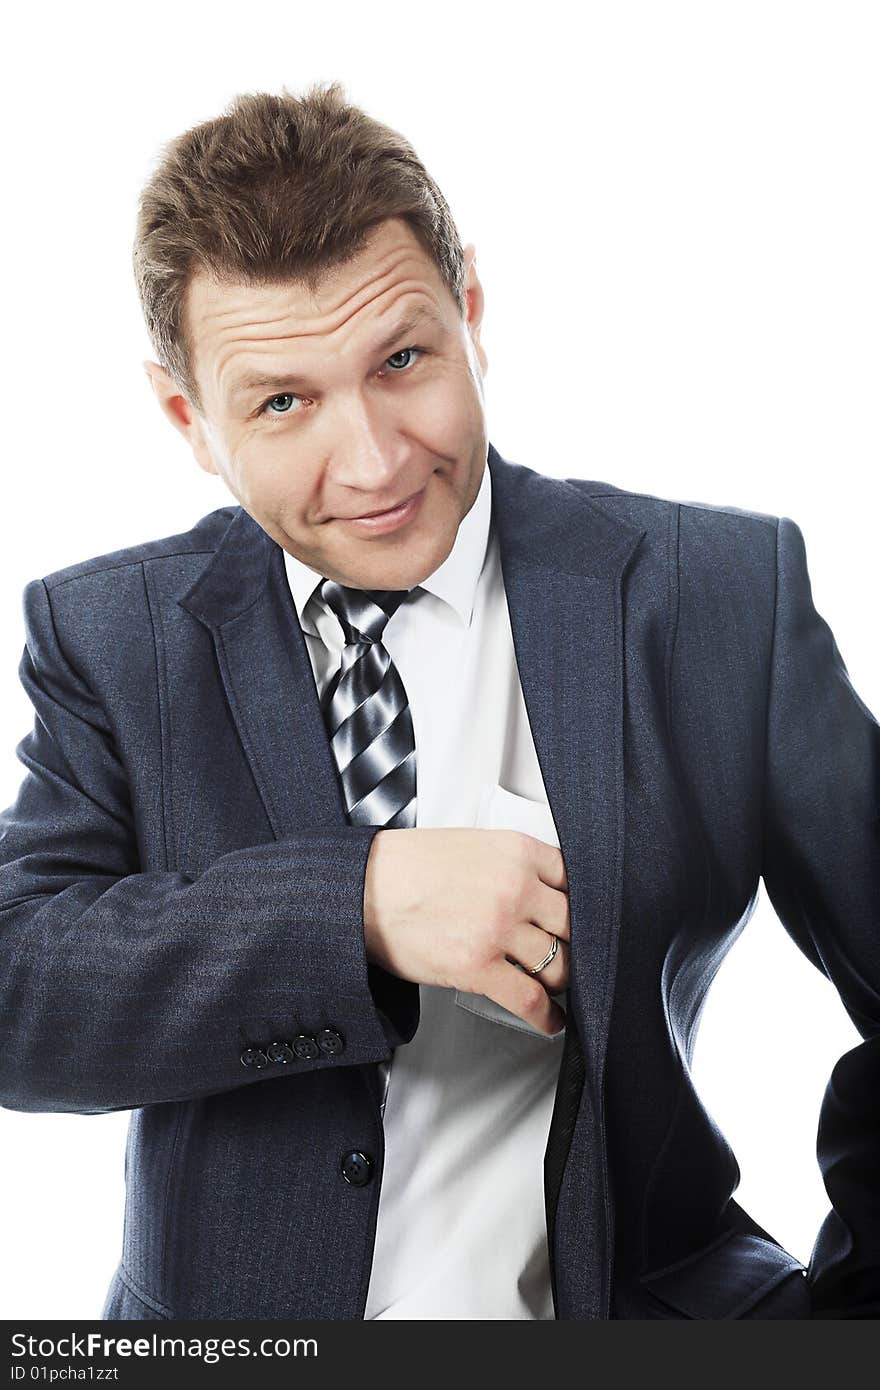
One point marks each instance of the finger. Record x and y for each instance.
(528, 947)
(549, 864)
(522, 995)
(548, 908)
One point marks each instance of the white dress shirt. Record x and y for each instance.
(461, 1229)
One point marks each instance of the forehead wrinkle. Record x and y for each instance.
(394, 259)
(224, 313)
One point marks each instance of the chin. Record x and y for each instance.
(406, 566)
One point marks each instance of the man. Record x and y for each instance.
(382, 834)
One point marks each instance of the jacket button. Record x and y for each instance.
(356, 1168)
(279, 1052)
(304, 1045)
(254, 1057)
(330, 1041)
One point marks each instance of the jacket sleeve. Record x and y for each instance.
(120, 988)
(821, 868)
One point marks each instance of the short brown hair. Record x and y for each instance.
(278, 188)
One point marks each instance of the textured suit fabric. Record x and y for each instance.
(177, 867)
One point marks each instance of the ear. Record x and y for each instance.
(180, 411)
(474, 302)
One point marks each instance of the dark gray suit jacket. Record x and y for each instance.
(181, 927)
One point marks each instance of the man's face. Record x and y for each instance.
(320, 408)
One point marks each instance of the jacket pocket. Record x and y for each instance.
(730, 1279)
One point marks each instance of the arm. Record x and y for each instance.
(120, 988)
(821, 867)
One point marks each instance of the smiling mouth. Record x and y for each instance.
(361, 516)
(389, 519)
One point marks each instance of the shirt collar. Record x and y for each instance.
(455, 581)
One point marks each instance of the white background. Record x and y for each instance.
(676, 214)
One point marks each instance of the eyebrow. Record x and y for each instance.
(255, 381)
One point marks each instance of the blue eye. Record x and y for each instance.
(285, 396)
(402, 353)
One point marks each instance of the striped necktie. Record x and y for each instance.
(367, 713)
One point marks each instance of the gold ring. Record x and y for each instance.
(547, 959)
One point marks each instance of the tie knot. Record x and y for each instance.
(363, 613)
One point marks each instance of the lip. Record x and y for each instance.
(389, 520)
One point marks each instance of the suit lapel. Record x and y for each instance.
(563, 560)
(243, 598)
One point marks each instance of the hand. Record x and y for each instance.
(463, 908)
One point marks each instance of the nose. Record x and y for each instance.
(365, 451)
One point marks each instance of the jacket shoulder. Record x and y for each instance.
(643, 507)
(202, 538)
